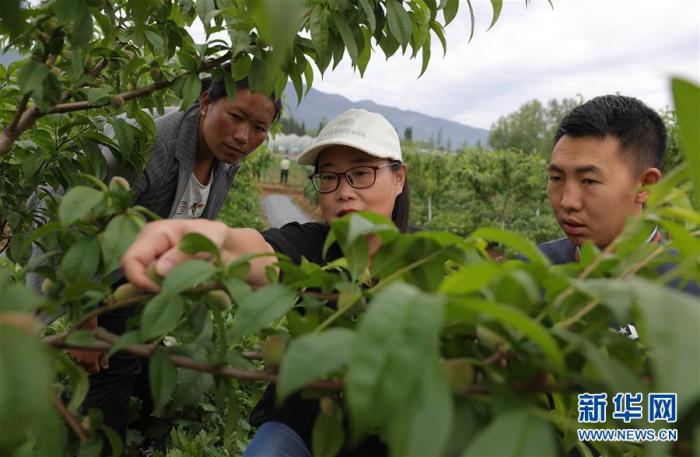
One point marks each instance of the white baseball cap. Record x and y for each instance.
(358, 128)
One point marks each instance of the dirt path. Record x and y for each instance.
(280, 209)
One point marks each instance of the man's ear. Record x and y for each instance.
(648, 177)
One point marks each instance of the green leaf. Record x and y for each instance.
(616, 376)
(513, 241)
(99, 95)
(366, 53)
(70, 11)
(450, 10)
(81, 261)
(369, 13)
(350, 232)
(78, 380)
(670, 330)
(77, 203)
(203, 7)
(155, 40)
(318, 25)
(18, 298)
(240, 40)
(497, 5)
(124, 134)
(82, 30)
(615, 294)
(328, 434)
(396, 339)
(347, 36)
(471, 20)
(48, 94)
(424, 427)
(470, 278)
(313, 356)
(514, 434)
(26, 377)
(188, 59)
(193, 243)
(686, 98)
(399, 21)
(187, 275)
(127, 339)
(162, 378)
(523, 323)
(116, 239)
(161, 315)
(91, 448)
(237, 289)
(115, 441)
(425, 55)
(309, 77)
(440, 33)
(298, 86)
(191, 89)
(31, 76)
(81, 338)
(12, 18)
(261, 307)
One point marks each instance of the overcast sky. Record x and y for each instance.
(587, 47)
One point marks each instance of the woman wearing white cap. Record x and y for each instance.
(358, 167)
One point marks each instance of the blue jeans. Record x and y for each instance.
(275, 439)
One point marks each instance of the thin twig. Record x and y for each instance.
(641, 264)
(497, 357)
(111, 305)
(320, 295)
(27, 118)
(107, 340)
(135, 93)
(566, 323)
(20, 109)
(70, 419)
(590, 268)
(408, 268)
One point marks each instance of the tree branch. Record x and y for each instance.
(20, 109)
(107, 340)
(129, 95)
(111, 305)
(70, 419)
(29, 116)
(136, 93)
(566, 323)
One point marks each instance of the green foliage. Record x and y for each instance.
(475, 188)
(395, 322)
(532, 127)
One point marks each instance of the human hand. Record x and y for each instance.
(92, 361)
(158, 243)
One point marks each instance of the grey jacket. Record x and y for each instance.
(167, 171)
(170, 165)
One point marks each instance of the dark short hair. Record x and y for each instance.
(638, 128)
(217, 89)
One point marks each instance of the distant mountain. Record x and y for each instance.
(319, 107)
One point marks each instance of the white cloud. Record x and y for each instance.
(586, 47)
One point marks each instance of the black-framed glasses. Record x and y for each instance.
(360, 177)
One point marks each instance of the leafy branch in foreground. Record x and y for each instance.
(451, 325)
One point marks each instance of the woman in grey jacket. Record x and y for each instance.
(191, 168)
